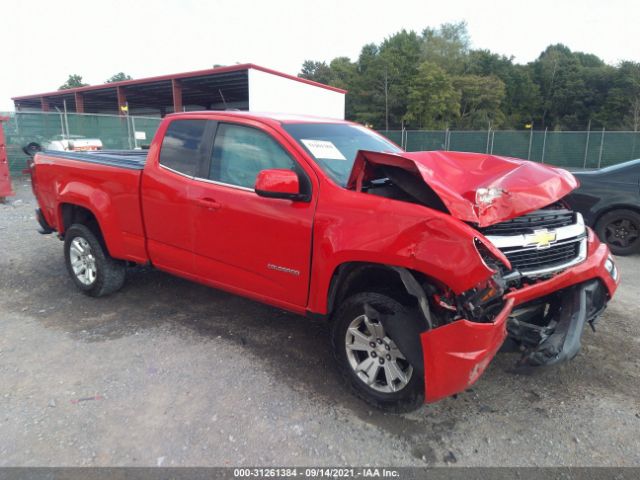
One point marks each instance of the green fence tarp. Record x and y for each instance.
(115, 132)
(592, 149)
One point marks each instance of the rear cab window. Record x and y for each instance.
(184, 145)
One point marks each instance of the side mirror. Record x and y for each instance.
(279, 183)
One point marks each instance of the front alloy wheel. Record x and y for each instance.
(374, 357)
(369, 359)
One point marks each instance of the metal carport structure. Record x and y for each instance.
(244, 87)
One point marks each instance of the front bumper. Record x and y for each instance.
(456, 355)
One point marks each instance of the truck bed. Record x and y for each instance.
(132, 159)
(106, 183)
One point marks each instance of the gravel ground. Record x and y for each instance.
(167, 372)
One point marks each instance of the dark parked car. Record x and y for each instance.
(609, 200)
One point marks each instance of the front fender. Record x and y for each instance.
(400, 235)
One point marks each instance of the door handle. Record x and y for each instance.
(209, 203)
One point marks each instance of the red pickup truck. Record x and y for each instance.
(424, 263)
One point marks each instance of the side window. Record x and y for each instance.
(182, 145)
(240, 153)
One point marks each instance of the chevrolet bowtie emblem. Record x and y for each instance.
(540, 238)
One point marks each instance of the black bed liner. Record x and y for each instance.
(131, 159)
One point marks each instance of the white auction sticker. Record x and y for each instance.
(323, 149)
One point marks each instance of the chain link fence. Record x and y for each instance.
(587, 149)
(115, 132)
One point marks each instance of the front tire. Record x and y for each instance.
(620, 229)
(91, 268)
(369, 360)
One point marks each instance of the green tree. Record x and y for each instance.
(399, 61)
(447, 46)
(563, 89)
(316, 71)
(383, 77)
(624, 97)
(433, 100)
(118, 77)
(522, 96)
(480, 101)
(343, 75)
(72, 82)
(343, 72)
(370, 87)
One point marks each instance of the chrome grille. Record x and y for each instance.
(568, 247)
(549, 219)
(533, 258)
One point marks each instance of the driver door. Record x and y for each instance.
(256, 246)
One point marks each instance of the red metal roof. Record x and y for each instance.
(197, 73)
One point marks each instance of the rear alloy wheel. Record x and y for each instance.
(89, 264)
(83, 262)
(369, 359)
(620, 229)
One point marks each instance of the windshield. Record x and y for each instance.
(334, 145)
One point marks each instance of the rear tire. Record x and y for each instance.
(620, 230)
(405, 392)
(91, 268)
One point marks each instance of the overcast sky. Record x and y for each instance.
(46, 40)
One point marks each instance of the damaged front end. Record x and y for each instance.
(561, 279)
(450, 338)
(543, 320)
(547, 274)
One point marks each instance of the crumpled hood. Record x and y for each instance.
(474, 187)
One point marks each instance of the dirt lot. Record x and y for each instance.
(171, 373)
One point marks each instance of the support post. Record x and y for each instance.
(79, 99)
(44, 104)
(544, 143)
(176, 89)
(601, 148)
(66, 118)
(122, 101)
(486, 150)
(586, 146)
(530, 142)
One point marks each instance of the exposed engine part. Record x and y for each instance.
(483, 303)
(479, 304)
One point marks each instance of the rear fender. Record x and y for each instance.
(99, 204)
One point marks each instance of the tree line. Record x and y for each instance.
(75, 80)
(435, 80)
